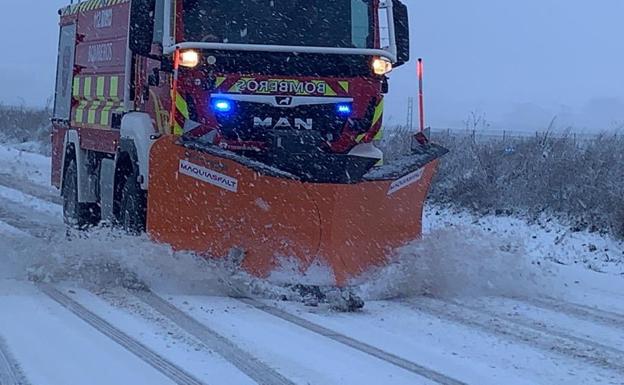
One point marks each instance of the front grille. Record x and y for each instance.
(250, 121)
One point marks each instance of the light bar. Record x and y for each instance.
(222, 105)
(344, 109)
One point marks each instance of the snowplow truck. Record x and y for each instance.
(239, 128)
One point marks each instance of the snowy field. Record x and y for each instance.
(481, 300)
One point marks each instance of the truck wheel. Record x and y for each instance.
(76, 214)
(133, 213)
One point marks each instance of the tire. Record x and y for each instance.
(75, 214)
(133, 206)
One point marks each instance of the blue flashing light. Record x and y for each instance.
(344, 109)
(222, 105)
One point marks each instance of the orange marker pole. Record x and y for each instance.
(421, 94)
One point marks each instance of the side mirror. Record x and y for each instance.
(142, 14)
(166, 64)
(402, 32)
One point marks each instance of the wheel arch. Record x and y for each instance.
(137, 137)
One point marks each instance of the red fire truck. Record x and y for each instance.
(243, 126)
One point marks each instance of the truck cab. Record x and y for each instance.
(244, 69)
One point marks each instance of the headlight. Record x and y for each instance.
(189, 58)
(381, 66)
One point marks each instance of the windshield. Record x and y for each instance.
(315, 23)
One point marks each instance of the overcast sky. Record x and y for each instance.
(520, 62)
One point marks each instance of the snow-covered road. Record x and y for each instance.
(479, 301)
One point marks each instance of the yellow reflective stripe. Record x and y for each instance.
(87, 87)
(182, 106)
(90, 5)
(328, 90)
(99, 88)
(114, 86)
(76, 90)
(220, 80)
(105, 114)
(105, 118)
(177, 129)
(80, 111)
(92, 111)
(360, 137)
(379, 135)
(378, 112)
(345, 85)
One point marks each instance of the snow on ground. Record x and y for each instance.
(477, 356)
(10, 231)
(25, 165)
(547, 240)
(480, 319)
(56, 348)
(160, 335)
(300, 354)
(30, 202)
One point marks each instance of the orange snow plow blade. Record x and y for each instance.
(212, 203)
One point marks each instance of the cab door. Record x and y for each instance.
(61, 116)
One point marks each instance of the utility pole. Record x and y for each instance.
(410, 114)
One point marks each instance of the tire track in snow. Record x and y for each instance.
(167, 368)
(10, 371)
(258, 371)
(29, 188)
(354, 344)
(39, 224)
(587, 313)
(543, 328)
(545, 340)
(11, 215)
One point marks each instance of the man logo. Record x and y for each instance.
(283, 100)
(284, 123)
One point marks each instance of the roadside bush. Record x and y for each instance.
(579, 182)
(23, 124)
